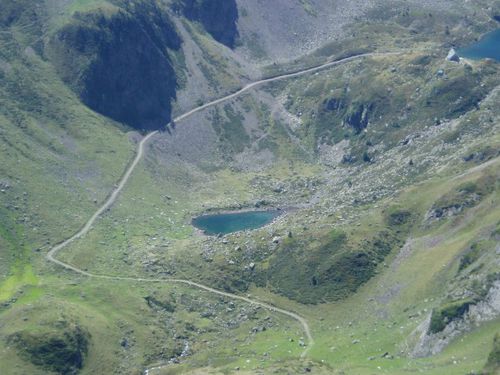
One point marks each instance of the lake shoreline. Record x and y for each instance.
(487, 47)
(281, 212)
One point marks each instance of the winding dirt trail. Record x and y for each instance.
(51, 255)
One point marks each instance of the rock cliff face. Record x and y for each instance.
(430, 343)
(218, 17)
(117, 61)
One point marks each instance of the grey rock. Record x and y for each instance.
(453, 56)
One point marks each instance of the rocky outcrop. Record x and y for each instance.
(453, 56)
(431, 343)
(463, 197)
(358, 118)
(217, 17)
(342, 116)
(118, 63)
(333, 104)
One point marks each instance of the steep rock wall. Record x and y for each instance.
(218, 17)
(117, 61)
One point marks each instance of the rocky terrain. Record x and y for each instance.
(117, 60)
(385, 165)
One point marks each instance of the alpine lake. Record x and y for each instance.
(488, 47)
(225, 223)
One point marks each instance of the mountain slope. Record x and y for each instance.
(386, 167)
(118, 61)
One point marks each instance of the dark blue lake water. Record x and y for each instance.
(487, 47)
(234, 222)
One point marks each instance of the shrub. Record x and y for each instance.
(447, 313)
(398, 217)
(61, 351)
(471, 255)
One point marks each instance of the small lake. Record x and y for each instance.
(234, 222)
(487, 47)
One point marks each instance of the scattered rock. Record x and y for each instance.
(124, 343)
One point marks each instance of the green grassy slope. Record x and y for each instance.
(389, 170)
(58, 158)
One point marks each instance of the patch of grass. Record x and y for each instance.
(22, 276)
(327, 267)
(166, 305)
(448, 94)
(493, 365)
(472, 255)
(61, 350)
(466, 195)
(398, 217)
(482, 154)
(230, 130)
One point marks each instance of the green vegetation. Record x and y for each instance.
(482, 154)
(163, 305)
(62, 350)
(326, 267)
(465, 196)
(446, 313)
(356, 155)
(472, 255)
(493, 365)
(231, 132)
(22, 276)
(398, 217)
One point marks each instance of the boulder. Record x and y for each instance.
(453, 56)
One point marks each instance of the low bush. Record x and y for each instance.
(447, 313)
